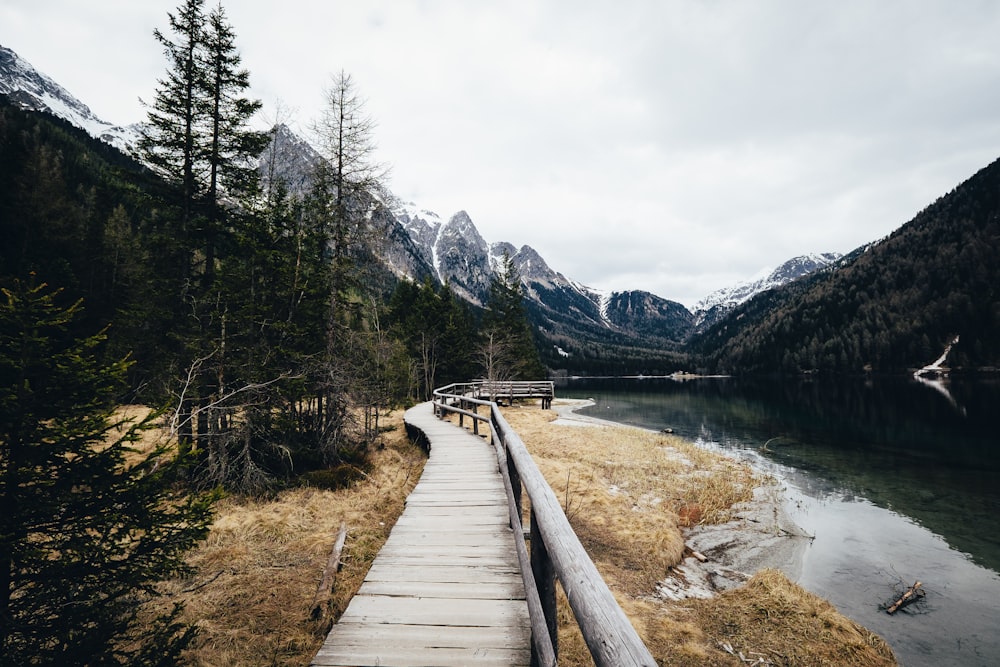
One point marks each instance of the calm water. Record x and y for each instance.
(898, 480)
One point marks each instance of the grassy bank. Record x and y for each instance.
(628, 494)
(253, 596)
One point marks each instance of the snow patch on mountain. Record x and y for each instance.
(727, 298)
(34, 91)
(604, 305)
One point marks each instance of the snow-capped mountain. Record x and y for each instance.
(718, 304)
(34, 91)
(416, 243)
(455, 249)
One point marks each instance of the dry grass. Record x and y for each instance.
(627, 491)
(628, 494)
(260, 566)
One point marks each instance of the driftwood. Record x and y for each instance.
(911, 594)
(688, 551)
(325, 589)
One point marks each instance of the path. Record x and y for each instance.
(446, 588)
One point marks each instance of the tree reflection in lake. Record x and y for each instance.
(898, 479)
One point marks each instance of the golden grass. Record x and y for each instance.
(628, 494)
(258, 570)
(627, 491)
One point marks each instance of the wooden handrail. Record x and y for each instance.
(556, 551)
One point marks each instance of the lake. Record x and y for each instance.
(897, 479)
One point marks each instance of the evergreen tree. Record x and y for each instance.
(174, 140)
(232, 147)
(437, 330)
(507, 348)
(90, 523)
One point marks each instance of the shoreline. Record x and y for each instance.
(761, 534)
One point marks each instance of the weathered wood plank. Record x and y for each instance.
(446, 588)
(434, 611)
(497, 563)
(456, 573)
(408, 656)
(430, 636)
(495, 552)
(450, 537)
(479, 590)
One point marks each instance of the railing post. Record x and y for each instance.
(545, 580)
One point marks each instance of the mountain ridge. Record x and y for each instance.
(35, 91)
(418, 243)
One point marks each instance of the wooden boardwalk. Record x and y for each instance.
(446, 588)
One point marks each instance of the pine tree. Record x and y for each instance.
(174, 140)
(507, 348)
(232, 148)
(338, 207)
(89, 524)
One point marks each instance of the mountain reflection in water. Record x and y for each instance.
(897, 478)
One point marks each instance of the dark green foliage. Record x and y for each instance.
(438, 333)
(85, 217)
(891, 306)
(507, 346)
(84, 535)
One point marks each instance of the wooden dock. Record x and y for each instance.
(446, 588)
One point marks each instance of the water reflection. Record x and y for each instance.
(903, 444)
(896, 480)
(941, 387)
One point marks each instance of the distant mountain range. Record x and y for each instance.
(575, 322)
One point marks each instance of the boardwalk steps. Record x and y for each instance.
(446, 588)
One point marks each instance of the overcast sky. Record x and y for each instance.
(670, 146)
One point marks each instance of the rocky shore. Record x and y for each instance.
(719, 557)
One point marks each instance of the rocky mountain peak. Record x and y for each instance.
(34, 91)
(718, 304)
(532, 267)
(288, 158)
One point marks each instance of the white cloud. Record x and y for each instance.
(668, 146)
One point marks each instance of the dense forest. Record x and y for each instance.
(888, 307)
(257, 322)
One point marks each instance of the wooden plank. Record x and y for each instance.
(501, 563)
(453, 573)
(434, 611)
(407, 656)
(429, 636)
(513, 589)
(452, 538)
(430, 552)
(486, 520)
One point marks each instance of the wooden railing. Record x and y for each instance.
(556, 552)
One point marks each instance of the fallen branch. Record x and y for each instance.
(688, 551)
(325, 589)
(911, 594)
(204, 583)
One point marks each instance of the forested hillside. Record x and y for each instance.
(891, 306)
(258, 313)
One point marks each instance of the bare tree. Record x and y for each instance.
(348, 174)
(497, 359)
